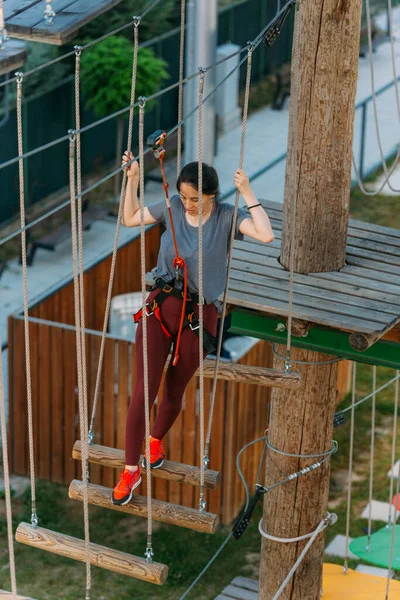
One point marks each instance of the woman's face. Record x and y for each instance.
(190, 200)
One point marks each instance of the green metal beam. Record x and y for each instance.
(321, 339)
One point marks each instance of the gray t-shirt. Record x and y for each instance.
(216, 237)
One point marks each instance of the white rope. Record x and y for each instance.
(202, 501)
(78, 52)
(388, 173)
(323, 524)
(230, 253)
(353, 397)
(149, 551)
(371, 464)
(394, 530)
(6, 475)
(180, 94)
(385, 385)
(116, 238)
(82, 413)
(394, 440)
(273, 538)
(3, 32)
(34, 518)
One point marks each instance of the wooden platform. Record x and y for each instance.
(241, 588)
(24, 20)
(12, 57)
(363, 297)
(10, 595)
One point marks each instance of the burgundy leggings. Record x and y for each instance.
(176, 378)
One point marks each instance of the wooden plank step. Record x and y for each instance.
(246, 583)
(173, 514)
(100, 556)
(173, 471)
(248, 374)
(239, 593)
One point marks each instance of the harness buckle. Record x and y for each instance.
(149, 311)
(167, 288)
(194, 327)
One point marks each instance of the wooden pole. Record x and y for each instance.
(301, 421)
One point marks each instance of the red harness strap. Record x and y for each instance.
(179, 262)
(152, 309)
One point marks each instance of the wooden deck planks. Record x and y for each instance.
(25, 20)
(12, 57)
(241, 588)
(364, 296)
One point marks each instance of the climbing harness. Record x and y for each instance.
(190, 320)
(156, 142)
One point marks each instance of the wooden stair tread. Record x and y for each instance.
(249, 374)
(173, 514)
(100, 556)
(173, 471)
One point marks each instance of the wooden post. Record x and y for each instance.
(301, 421)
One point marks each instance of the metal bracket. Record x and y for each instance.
(275, 29)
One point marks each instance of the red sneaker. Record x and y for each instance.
(128, 481)
(156, 454)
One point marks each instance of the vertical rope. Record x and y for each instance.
(7, 481)
(118, 227)
(3, 31)
(374, 104)
(82, 416)
(371, 464)
(78, 52)
(202, 501)
(180, 96)
(395, 410)
(230, 451)
(149, 551)
(34, 518)
(394, 528)
(353, 399)
(232, 239)
(295, 93)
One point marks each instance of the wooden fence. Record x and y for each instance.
(240, 414)
(59, 306)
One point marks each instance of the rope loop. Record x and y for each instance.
(142, 101)
(250, 46)
(19, 77)
(333, 450)
(72, 135)
(78, 50)
(136, 21)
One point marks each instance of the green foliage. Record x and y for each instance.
(161, 19)
(107, 74)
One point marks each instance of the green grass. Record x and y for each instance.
(44, 576)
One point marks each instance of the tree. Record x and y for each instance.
(159, 20)
(107, 76)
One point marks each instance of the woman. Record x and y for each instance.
(162, 327)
